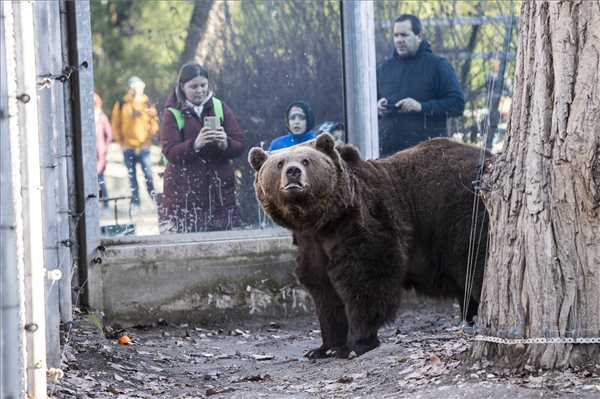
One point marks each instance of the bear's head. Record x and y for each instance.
(302, 187)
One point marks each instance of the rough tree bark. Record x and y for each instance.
(543, 271)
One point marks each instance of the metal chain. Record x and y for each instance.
(555, 340)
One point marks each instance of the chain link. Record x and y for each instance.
(556, 340)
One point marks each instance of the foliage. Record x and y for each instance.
(142, 38)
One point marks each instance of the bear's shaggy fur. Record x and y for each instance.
(366, 230)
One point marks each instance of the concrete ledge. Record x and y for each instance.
(197, 276)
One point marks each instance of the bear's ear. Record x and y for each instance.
(257, 157)
(325, 143)
(349, 153)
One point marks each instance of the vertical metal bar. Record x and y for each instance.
(11, 364)
(84, 139)
(49, 195)
(496, 92)
(360, 76)
(61, 158)
(33, 248)
(68, 161)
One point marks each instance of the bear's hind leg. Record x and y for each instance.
(471, 310)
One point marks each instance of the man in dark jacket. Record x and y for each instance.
(417, 91)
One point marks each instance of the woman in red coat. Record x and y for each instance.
(199, 184)
(103, 139)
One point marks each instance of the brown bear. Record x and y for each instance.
(366, 230)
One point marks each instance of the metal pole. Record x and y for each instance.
(33, 247)
(63, 158)
(47, 31)
(81, 87)
(360, 76)
(11, 365)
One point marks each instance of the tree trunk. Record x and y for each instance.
(196, 30)
(543, 271)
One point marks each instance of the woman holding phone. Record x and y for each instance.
(199, 135)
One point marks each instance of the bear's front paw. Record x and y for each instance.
(342, 352)
(350, 351)
(318, 353)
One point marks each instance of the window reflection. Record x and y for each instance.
(261, 57)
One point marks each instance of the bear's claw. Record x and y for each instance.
(318, 353)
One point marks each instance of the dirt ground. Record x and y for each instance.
(422, 355)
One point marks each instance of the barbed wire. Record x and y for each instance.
(49, 79)
(54, 374)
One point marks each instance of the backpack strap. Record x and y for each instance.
(178, 117)
(180, 125)
(217, 104)
(218, 107)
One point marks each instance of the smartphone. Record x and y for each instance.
(212, 121)
(391, 106)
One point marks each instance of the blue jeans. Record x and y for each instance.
(141, 156)
(102, 189)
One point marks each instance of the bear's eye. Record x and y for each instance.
(279, 164)
(305, 162)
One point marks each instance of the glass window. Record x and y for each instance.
(260, 57)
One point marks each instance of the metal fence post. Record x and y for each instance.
(360, 86)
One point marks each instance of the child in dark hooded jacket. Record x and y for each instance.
(300, 120)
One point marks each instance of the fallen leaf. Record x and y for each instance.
(263, 357)
(433, 359)
(151, 367)
(254, 378)
(114, 390)
(213, 391)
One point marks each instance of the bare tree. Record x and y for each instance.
(543, 273)
(196, 29)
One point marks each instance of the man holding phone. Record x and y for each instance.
(417, 91)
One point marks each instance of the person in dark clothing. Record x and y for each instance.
(199, 182)
(299, 119)
(336, 129)
(417, 91)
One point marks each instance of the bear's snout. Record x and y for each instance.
(293, 177)
(293, 172)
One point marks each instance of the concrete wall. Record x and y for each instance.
(196, 277)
